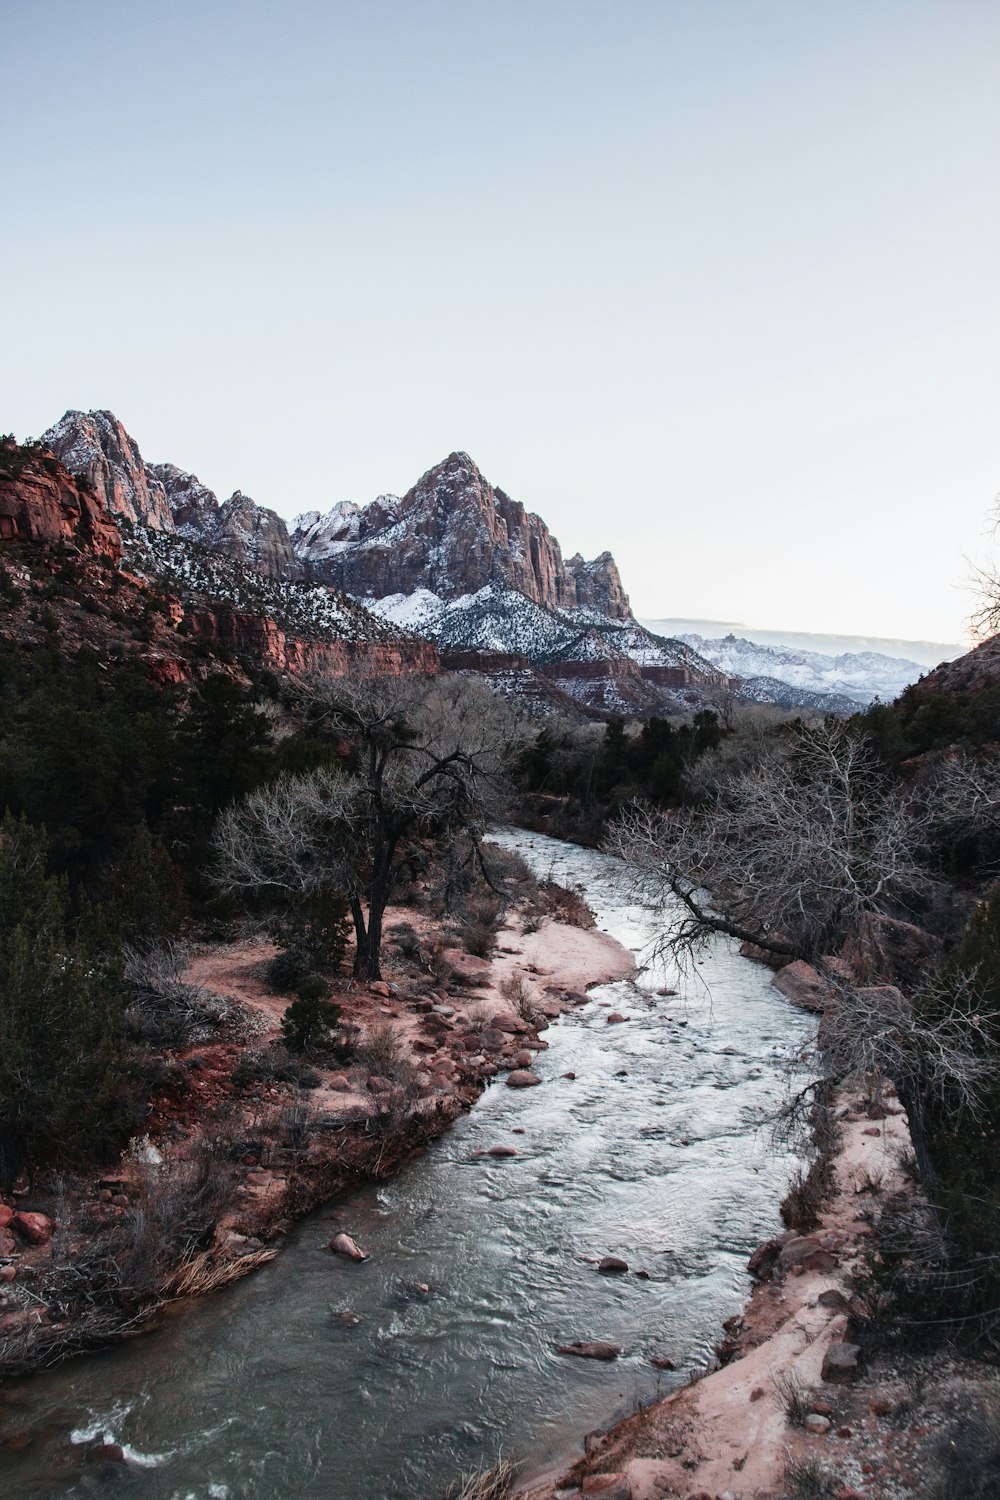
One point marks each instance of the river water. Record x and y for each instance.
(655, 1153)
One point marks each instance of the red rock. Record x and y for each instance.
(521, 1079)
(591, 1349)
(37, 1228)
(805, 1253)
(800, 983)
(609, 1486)
(662, 1362)
(570, 1076)
(522, 1059)
(7, 1274)
(342, 1244)
(763, 1260)
(757, 1393)
(841, 1364)
(379, 987)
(501, 1151)
(611, 1265)
(52, 509)
(616, 1018)
(6, 1214)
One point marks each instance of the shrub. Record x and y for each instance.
(287, 969)
(311, 1019)
(480, 939)
(381, 1052)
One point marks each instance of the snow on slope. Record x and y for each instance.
(192, 567)
(503, 620)
(859, 676)
(492, 619)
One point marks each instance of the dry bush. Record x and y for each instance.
(563, 905)
(518, 996)
(792, 1397)
(480, 939)
(162, 1010)
(485, 1484)
(380, 1052)
(809, 1481)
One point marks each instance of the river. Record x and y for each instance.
(655, 1153)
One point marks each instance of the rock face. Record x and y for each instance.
(239, 528)
(41, 502)
(453, 533)
(95, 444)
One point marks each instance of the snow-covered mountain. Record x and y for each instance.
(857, 677)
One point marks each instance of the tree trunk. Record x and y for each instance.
(361, 940)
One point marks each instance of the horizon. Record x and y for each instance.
(710, 289)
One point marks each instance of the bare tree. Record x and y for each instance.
(794, 852)
(795, 847)
(426, 759)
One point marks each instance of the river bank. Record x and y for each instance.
(271, 1152)
(790, 1396)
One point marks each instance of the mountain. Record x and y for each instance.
(453, 534)
(95, 445)
(855, 677)
(239, 527)
(89, 579)
(455, 559)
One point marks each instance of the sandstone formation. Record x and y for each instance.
(42, 503)
(453, 533)
(96, 445)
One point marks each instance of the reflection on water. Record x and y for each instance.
(318, 1377)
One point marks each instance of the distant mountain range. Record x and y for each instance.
(459, 563)
(857, 677)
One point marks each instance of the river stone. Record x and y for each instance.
(522, 1079)
(590, 1349)
(342, 1244)
(611, 1265)
(616, 1018)
(105, 1453)
(522, 1059)
(502, 1151)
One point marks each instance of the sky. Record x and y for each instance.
(708, 283)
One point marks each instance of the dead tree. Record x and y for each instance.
(426, 761)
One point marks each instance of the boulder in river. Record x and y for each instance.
(590, 1349)
(616, 1018)
(522, 1079)
(342, 1244)
(611, 1265)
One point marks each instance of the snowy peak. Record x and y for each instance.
(96, 445)
(453, 534)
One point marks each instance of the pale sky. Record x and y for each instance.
(709, 283)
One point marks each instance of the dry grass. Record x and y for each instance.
(200, 1274)
(485, 1484)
